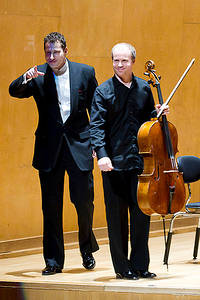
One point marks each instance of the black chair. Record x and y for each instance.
(190, 166)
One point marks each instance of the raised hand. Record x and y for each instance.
(33, 73)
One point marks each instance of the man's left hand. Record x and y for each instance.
(165, 110)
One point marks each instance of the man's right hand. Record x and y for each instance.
(33, 73)
(105, 164)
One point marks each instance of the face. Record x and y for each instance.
(123, 63)
(55, 55)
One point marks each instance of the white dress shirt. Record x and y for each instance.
(63, 89)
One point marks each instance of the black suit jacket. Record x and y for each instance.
(51, 130)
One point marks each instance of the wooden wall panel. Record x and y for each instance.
(22, 47)
(191, 11)
(187, 113)
(34, 8)
(166, 31)
(155, 28)
(91, 26)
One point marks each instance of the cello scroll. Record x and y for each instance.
(151, 72)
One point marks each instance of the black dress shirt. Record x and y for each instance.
(117, 114)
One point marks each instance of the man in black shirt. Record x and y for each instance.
(120, 106)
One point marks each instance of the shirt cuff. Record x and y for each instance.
(25, 80)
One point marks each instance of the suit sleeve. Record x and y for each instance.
(149, 110)
(19, 90)
(92, 84)
(153, 112)
(97, 124)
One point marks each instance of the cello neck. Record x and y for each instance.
(160, 98)
(165, 129)
(154, 80)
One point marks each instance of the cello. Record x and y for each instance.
(161, 187)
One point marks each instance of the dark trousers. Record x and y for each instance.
(81, 195)
(120, 194)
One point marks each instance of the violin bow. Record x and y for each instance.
(175, 88)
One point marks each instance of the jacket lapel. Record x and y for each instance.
(52, 96)
(73, 76)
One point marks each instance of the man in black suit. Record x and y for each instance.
(63, 92)
(120, 106)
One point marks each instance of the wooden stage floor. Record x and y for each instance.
(21, 279)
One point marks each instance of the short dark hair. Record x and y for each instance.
(53, 37)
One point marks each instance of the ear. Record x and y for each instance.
(66, 51)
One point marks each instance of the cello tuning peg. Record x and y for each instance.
(159, 77)
(150, 81)
(146, 73)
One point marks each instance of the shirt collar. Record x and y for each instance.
(118, 82)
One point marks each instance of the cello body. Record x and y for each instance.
(160, 188)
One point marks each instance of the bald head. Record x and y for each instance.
(123, 47)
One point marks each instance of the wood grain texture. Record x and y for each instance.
(166, 31)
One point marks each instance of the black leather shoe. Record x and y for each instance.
(127, 275)
(88, 261)
(145, 274)
(51, 270)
